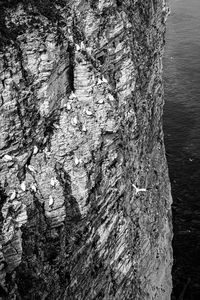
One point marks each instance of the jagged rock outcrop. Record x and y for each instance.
(81, 128)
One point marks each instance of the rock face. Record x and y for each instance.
(81, 129)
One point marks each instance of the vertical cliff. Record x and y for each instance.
(81, 129)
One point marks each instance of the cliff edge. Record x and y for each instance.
(85, 194)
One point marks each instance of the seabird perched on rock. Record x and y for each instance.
(23, 186)
(78, 48)
(104, 80)
(51, 201)
(35, 149)
(101, 101)
(68, 106)
(89, 50)
(82, 46)
(13, 195)
(72, 95)
(99, 81)
(76, 160)
(74, 121)
(88, 112)
(31, 168)
(53, 181)
(33, 187)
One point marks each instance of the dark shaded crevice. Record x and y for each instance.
(36, 243)
(119, 3)
(94, 4)
(25, 76)
(3, 197)
(78, 34)
(71, 52)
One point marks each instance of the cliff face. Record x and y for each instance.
(81, 128)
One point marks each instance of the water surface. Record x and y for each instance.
(182, 140)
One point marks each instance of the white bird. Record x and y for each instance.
(68, 106)
(76, 160)
(13, 195)
(110, 97)
(104, 80)
(7, 157)
(35, 149)
(23, 186)
(74, 121)
(89, 50)
(84, 129)
(99, 81)
(82, 46)
(57, 126)
(33, 187)
(78, 48)
(72, 95)
(101, 101)
(53, 182)
(88, 112)
(51, 201)
(31, 168)
(138, 190)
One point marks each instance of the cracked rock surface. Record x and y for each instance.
(81, 100)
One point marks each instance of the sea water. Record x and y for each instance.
(182, 140)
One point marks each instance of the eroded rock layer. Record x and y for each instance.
(81, 132)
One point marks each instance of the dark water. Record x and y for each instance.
(182, 140)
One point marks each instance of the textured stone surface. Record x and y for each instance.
(81, 122)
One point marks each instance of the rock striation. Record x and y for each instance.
(81, 129)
